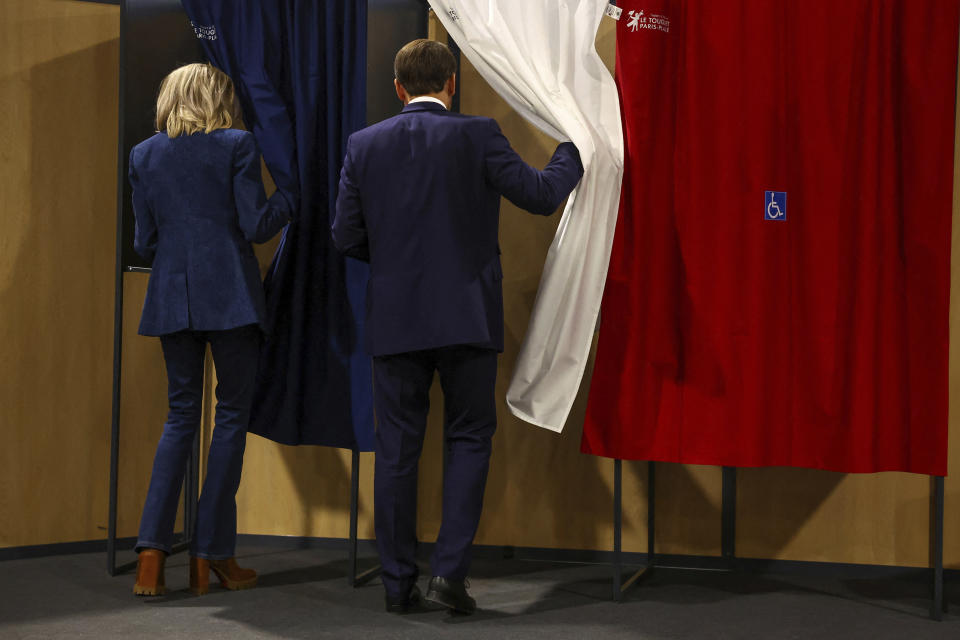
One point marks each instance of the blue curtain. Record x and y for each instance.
(299, 67)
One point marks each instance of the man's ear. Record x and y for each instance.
(452, 85)
(401, 92)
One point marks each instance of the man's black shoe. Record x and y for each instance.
(451, 594)
(405, 605)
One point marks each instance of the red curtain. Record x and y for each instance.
(779, 287)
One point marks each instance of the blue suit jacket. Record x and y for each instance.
(420, 200)
(199, 202)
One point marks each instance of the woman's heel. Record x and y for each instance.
(150, 581)
(232, 576)
(199, 576)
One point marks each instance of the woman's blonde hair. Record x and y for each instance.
(196, 97)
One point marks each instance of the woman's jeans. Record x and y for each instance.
(235, 356)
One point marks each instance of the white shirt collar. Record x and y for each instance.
(428, 99)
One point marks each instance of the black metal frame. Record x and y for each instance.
(117, 344)
(938, 605)
(355, 579)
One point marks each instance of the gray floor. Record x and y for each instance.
(303, 594)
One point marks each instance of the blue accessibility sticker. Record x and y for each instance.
(775, 205)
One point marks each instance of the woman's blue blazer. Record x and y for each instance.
(199, 202)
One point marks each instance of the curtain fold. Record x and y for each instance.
(299, 68)
(539, 55)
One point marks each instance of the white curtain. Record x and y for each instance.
(539, 55)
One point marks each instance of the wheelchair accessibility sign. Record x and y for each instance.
(775, 205)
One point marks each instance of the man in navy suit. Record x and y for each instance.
(420, 200)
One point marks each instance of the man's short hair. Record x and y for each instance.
(424, 66)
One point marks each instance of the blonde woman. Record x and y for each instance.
(199, 202)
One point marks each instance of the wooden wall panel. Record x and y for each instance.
(952, 517)
(301, 491)
(58, 105)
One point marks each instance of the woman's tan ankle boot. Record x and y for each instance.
(231, 575)
(150, 580)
